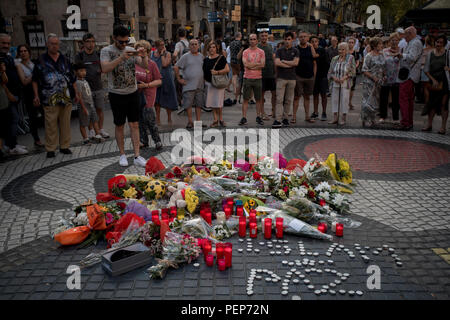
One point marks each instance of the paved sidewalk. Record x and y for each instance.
(401, 198)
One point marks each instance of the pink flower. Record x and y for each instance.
(280, 160)
(242, 164)
(109, 218)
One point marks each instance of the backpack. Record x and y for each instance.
(185, 48)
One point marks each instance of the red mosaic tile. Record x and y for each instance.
(381, 155)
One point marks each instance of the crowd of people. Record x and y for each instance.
(146, 76)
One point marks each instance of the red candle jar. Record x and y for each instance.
(228, 211)
(279, 227)
(207, 248)
(208, 218)
(322, 227)
(252, 217)
(165, 210)
(267, 228)
(209, 260)
(339, 230)
(219, 251)
(253, 230)
(240, 211)
(202, 213)
(173, 211)
(228, 253)
(222, 264)
(242, 227)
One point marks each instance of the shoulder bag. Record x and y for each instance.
(403, 73)
(219, 81)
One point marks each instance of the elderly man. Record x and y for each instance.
(14, 87)
(53, 76)
(332, 50)
(409, 59)
(119, 62)
(192, 65)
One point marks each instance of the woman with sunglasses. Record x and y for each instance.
(25, 71)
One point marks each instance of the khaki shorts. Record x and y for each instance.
(252, 85)
(304, 86)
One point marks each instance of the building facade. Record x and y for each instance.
(30, 21)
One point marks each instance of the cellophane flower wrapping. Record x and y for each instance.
(297, 227)
(177, 249)
(196, 227)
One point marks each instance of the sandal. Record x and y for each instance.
(342, 123)
(427, 129)
(190, 125)
(293, 120)
(215, 124)
(310, 120)
(222, 124)
(441, 131)
(333, 122)
(265, 117)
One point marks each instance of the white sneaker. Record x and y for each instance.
(140, 162)
(104, 134)
(99, 138)
(91, 134)
(19, 146)
(17, 151)
(123, 162)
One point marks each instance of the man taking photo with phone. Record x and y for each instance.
(118, 61)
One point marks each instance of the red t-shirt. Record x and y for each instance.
(147, 76)
(253, 56)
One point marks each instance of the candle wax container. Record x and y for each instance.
(242, 227)
(279, 229)
(253, 230)
(339, 230)
(239, 211)
(219, 252)
(333, 226)
(221, 217)
(222, 264)
(228, 211)
(209, 260)
(228, 254)
(207, 248)
(321, 228)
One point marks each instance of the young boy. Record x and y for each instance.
(86, 110)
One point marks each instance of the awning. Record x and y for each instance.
(286, 21)
(352, 25)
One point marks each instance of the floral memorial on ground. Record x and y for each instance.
(182, 212)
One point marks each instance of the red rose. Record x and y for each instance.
(311, 194)
(227, 177)
(153, 165)
(322, 202)
(241, 178)
(121, 205)
(170, 175)
(285, 189)
(305, 185)
(177, 171)
(256, 176)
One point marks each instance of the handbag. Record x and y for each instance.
(219, 81)
(403, 73)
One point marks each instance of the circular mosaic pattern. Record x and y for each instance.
(374, 157)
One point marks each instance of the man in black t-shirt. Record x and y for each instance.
(321, 80)
(286, 60)
(306, 71)
(91, 59)
(235, 47)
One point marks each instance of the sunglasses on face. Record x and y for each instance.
(123, 42)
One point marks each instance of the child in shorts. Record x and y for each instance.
(86, 110)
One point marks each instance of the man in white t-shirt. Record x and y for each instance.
(118, 61)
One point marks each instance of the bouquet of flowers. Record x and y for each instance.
(177, 249)
(297, 227)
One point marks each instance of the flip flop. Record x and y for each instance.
(310, 120)
(441, 131)
(293, 120)
(428, 129)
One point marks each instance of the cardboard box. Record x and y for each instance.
(126, 259)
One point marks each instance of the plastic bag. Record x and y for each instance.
(297, 227)
(96, 217)
(139, 209)
(73, 236)
(207, 189)
(118, 181)
(197, 228)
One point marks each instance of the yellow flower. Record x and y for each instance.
(141, 202)
(194, 171)
(226, 163)
(191, 199)
(130, 193)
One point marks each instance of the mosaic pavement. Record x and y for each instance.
(401, 197)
